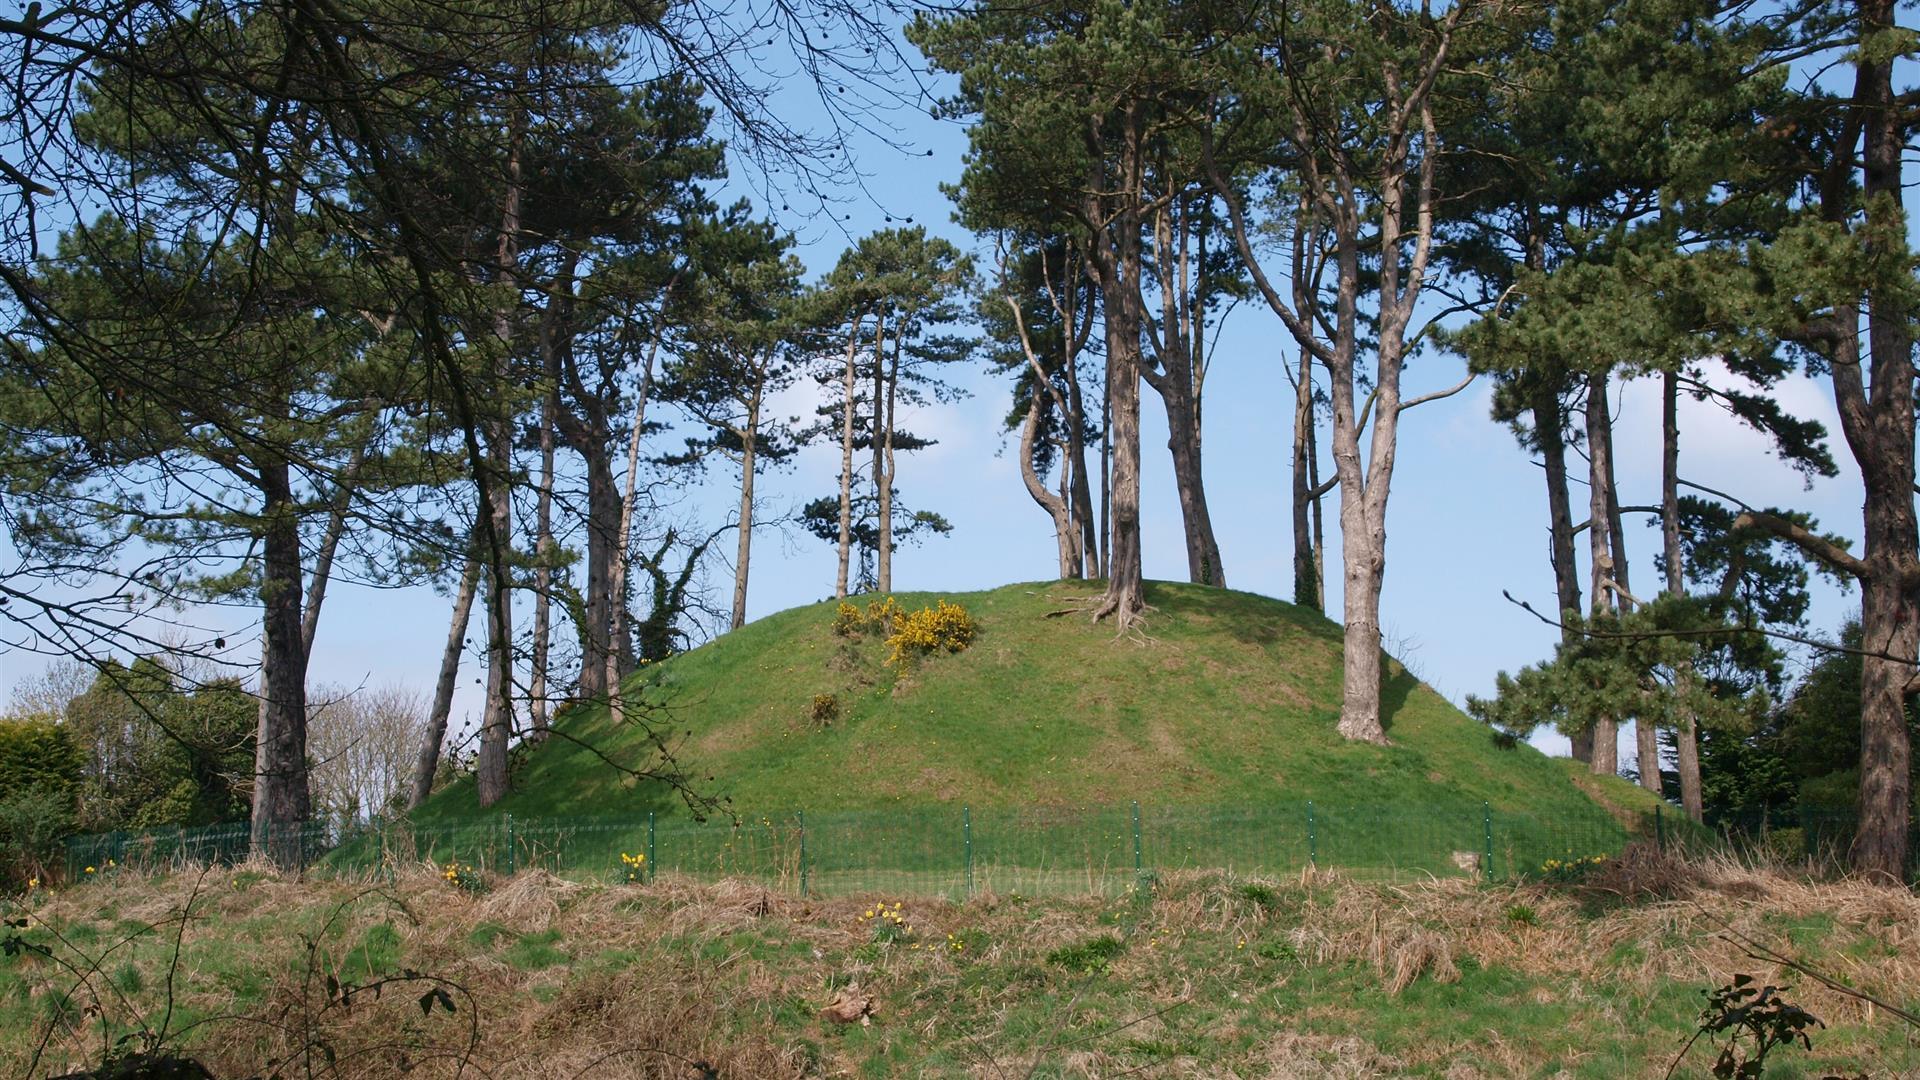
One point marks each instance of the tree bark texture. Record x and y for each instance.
(543, 545)
(1049, 501)
(845, 547)
(322, 575)
(281, 799)
(882, 480)
(496, 724)
(1306, 565)
(1549, 427)
(1874, 396)
(617, 587)
(1878, 420)
(1114, 256)
(884, 561)
(744, 552)
(1396, 198)
(1686, 738)
(428, 761)
(1606, 741)
(1178, 344)
(603, 551)
(1082, 489)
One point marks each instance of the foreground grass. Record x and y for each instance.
(1198, 974)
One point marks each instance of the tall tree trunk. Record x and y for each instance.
(543, 569)
(1114, 253)
(428, 761)
(1549, 432)
(1878, 421)
(603, 551)
(1306, 567)
(329, 547)
(1053, 504)
(744, 551)
(1081, 489)
(616, 696)
(1399, 204)
(496, 725)
(555, 331)
(1178, 342)
(1646, 748)
(1890, 631)
(1183, 441)
(1646, 739)
(846, 463)
(1606, 735)
(884, 455)
(496, 722)
(882, 481)
(281, 800)
(1879, 426)
(1042, 394)
(1106, 472)
(1319, 517)
(1363, 502)
(1363, 490)
(1125, 595)
(1686, 739)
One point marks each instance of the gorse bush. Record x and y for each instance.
(848, 619)
(944, 626)
(909, 634)
(879, 616)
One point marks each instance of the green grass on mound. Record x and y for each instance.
(1228, 699)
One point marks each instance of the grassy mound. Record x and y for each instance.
(1229, 699)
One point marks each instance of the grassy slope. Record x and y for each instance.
(1207, 975)
(1231, 699)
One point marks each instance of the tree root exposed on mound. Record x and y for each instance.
(1129, 617)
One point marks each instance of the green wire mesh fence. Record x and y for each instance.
(962, 852)
(956, 851)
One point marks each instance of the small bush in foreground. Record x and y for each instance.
(889, 925)
(1571, 870)
(1755, 1021)
(633, 868)
(464, 877)
(1091, 957)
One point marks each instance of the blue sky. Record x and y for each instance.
(1467, 518)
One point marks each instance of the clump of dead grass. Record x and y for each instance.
(527, 902)
(702, 968)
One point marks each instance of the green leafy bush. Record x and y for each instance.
(38, 755)
(33, 822)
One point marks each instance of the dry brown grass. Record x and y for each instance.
(734, 975)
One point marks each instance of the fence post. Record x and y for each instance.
(966, 831)
(1659, 829)
(653, 864)
(800, 816)
(511, 867)
(1313, 841)
(1137, 865)
(1486, 820)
